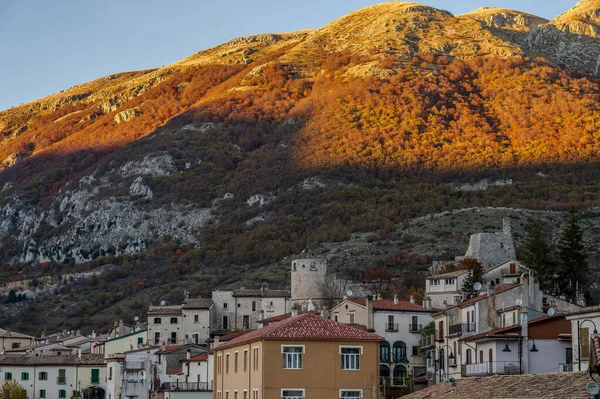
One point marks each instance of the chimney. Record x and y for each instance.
(216, 341)
(188, 354)
(412, 299)
(325, 312)
(93, 333)
(79, 353)
(506, 227)
(370, 317)
(294, 311)
(311, 305)
(147, 365)
(522, 312)
(121, 328)
(427, 304)
(395, 299)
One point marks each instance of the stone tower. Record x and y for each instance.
(307, 276)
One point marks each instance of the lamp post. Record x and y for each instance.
(451, 356)
(579, 325)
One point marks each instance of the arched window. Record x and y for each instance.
(399, 352)
(384, 374)
(384, 352)
(399, 375)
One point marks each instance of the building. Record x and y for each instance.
(501, 306)
(307, 277)
(445, 289)
(14, 340)
(243, 309)
(527, 386)
(491, 249)
(122, 344)
(302, 356)
(584, 324)
(508, 272)
(134, 375)
(56, 376)
(169, 368)
(180, 324)
(400, 323)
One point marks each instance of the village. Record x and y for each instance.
(270, 343)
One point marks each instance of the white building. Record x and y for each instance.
(508, 272)
(584, 324)
(242, 309)
(122, 344)
(180, 324)
(445, 289)
(54, 377)
(136, 373)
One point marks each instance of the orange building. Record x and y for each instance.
(300, 357)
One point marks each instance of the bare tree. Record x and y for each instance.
(332, 290)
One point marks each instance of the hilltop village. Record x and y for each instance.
(328, 337)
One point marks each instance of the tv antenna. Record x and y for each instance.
(477, 286)
(349, 293)
(163, 303)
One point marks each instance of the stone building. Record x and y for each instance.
(180, 324)
(307, 277)
(492, 249)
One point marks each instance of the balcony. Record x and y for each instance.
(490, 368)
(270, 309)
(61, 380)
(186, 386)
(565, 367)
(134, 388)
(415, 328)
(134, 365)
(427, 342)
(461, 328)
(391, 327)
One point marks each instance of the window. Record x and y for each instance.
(219, 395)
(344, 393)
(399, 352)
(350, 358)
(384, 352)
(62, 393)
(24, 376)
(435, 282)
(254, 306)
(225, 305)
(245, 360)
(415, 351)
(255, 357)
(226, 394)
(7, 376)
(352, 318)
(225, 323)
(43, 376)
(449, 281)
(399, 375)
(173, 320)
(42, 393)
(16, 345)
(227, 363)
(585, 343)
(513, 268)
(140, 340)
(245, 394)
(292, 393)
(235, 362)
(384, 374)
(110, 373)
(246, 322)
(95, 376)
(335, 317)
(292, 357)
(255, 394)
(235, 396)
(239, 305)
(157, 338)
(469, 356)
(173, 337)
(157, 320)
(196, 318)
(219, 364)
(62, 376)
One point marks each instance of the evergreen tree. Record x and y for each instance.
(468, 288)
(573, 272)
(536, 253)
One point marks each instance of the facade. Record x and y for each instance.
(14, 340)
(491, 249)
(500, 307)
(400, 323)
(307, 276)
(445, 289)
(56, 376)
(243, 309)
(169, 368)
(136, 374)
(180, 324)
(303, 356)
(124, 343)
(508, 272)
(584, 324)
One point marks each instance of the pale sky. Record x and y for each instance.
(47, 46)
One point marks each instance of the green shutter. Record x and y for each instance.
(95, 376)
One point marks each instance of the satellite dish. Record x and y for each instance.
(136, 318)
(551, 312)
(593, 388)
(519, 301)
(163, 303)
(349, 293)
(477, 286)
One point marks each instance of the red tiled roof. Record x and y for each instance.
(306, 327)
(286, 316)
(388, 304)
(170, 348)
(526, 386)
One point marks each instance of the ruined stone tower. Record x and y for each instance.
(307, 277)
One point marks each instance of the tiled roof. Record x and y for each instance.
(198, 303)
(285, 316)
(589, 309)
(455, 273)
(595, 348)
(11, 334)
(510, 331)
(388, 304)
(526, 386)
(232, 335)
(164, 310)
(170, 348)
(306, 327)
(499, 289)
(198, 358)
(261, 293)
(51, 360)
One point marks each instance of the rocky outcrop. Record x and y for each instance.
(127, 115)
(157, 164)
(13, 159)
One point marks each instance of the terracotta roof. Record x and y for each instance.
(164, 310)
(262, 293)
(526, 386)
(499, 289)
(589, 309)
(511, 331)
(198, 303)
(11, 334)
(232, 335)
(306, 327)
(198, 358)
(51, 360)
(285, 316)
(170, 348)
(388, 304)
(455, 273)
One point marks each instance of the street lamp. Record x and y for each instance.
(449, 357)
(579, 325)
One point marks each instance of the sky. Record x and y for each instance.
(47, 46)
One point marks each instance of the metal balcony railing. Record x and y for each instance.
(427, 342)
(461, 328)
(186, 386)
(565, 367)
(489, 368)
(415, 328)
(135, 365)
(391, 327)
(61, 380)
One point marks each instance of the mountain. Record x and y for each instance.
(239, 156)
